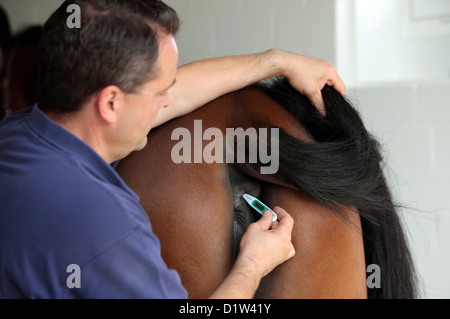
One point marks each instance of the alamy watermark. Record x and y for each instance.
(74, 279)
(234, 141)
(374, 279)
(74, 19)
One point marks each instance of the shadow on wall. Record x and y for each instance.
(18, 67)
(5, 38)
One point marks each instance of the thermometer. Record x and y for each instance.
(259, 206)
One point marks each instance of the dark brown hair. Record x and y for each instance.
(344, 167)
(116, 44)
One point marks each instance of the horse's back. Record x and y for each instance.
(194, 209)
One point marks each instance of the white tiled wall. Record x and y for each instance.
(411, 121)
(212, 27)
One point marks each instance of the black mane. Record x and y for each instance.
(344, 167)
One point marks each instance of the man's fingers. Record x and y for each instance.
(316, 97)
(291, 254)
(337, 83)
(266, 220)
(285, 220)
(317, 100)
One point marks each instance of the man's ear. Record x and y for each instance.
(109, 100)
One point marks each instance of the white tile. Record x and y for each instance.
(407, 148)
(434, 104)
(239, 33)
(307, 28)
(385, 107)
(443, 232)
(206, 8)
(426, 191)
(442, 135)
(193, 40)
(436, 276)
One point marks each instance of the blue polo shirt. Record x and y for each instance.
(69, 226)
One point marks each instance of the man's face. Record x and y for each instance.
(142, 107)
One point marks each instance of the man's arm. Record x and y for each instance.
(263, 247)
(200, 82)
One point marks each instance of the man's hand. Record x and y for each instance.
(263, 247)
(200, 82)
(267, 244)
(309, 75)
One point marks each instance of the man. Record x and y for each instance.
(69, 226)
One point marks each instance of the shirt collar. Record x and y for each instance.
(68, 143)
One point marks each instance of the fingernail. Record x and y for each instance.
(266, 213)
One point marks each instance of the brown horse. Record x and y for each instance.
(197, 210)
(19, 81)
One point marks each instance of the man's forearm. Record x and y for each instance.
(200, 82)
(241, 283)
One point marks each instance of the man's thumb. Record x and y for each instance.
(266, 220)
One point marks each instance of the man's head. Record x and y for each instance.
(117, 44)
(111, 76)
